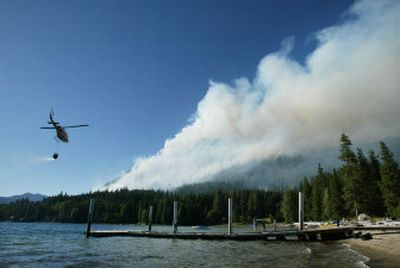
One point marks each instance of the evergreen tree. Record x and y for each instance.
(326, 205)
(289, 205)
(390, 184)
(252, 205)
(376, 202)
(336, 210)
(144, 216)
(318, 188)
(346, 154)
(362, 184)
(216, 213)
(348, 172)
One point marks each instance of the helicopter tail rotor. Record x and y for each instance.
(51, 116)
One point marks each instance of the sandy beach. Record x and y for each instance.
(383, 250)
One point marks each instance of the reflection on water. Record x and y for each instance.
(52, 244)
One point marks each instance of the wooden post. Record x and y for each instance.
(229, 216)
(150, 217)
(175, 219)
(90, 217)
(301, 211)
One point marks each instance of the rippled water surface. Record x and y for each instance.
(54, 244)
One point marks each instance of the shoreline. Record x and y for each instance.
(383, 250)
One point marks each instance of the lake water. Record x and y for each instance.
(56, 244)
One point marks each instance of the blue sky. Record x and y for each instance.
(134, 70)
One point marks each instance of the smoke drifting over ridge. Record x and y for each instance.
(350, 83)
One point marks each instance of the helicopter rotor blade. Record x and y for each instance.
(75, 126)
(47, 127)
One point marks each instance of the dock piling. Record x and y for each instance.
(301, 211)
(229, 216)
(150, 217)
(175, 219)
(90, 217)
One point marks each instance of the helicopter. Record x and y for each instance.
(62, 135)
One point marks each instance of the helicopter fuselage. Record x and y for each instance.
(61, 134)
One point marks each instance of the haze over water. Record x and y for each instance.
(53, 244)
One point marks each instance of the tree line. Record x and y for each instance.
(132, 206)
(365, 184)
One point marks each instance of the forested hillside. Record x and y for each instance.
(364, 184)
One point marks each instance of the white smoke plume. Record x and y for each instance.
(350, 83)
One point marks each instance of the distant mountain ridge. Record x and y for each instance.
(29, 196)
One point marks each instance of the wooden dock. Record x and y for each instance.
(290, 235)
(301, 234)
